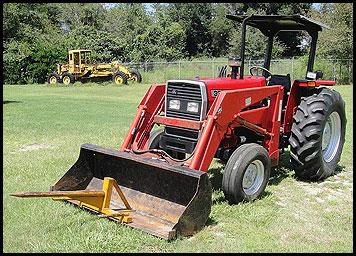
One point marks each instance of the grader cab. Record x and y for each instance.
(81, 68)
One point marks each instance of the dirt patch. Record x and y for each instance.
(312, 190)
(34, 146)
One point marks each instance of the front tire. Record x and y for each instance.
(68, 78)
(246, 173)
(318, 135)
(119, 78)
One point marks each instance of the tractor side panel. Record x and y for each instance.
(291, 107)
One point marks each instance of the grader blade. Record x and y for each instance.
(166, 200)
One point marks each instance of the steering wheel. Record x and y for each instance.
(264, 69)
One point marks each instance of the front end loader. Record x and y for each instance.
(158, 181)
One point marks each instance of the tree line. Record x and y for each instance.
(37, 36)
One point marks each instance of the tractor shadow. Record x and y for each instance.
(278, 174)
(10, 101)
(282, 170)
(215, 177)
(210, 222)
(285, 169)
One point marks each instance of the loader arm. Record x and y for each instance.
(142, 124)
(226, 112)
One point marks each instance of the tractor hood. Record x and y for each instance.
(204, 92)
(214, 85)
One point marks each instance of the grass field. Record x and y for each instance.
(43, 129)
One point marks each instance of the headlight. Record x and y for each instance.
(193, 107)
(174, 104)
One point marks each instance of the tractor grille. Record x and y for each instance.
(182, 133)
(184, 92)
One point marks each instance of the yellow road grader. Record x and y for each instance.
(81, 68)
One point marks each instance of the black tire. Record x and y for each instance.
(316, 114)
(155, 136)
(67, 78)
(246, 157)
(119, 78)
(153, 142)
(136, 75)
(53, 78)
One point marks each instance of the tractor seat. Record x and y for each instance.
(283, 80)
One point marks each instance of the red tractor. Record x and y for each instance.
(244, 120)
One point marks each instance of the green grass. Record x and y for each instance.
(43, 130)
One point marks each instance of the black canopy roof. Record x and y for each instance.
(271, 24)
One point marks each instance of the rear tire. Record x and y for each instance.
(246, 173)
(153, 142)
(68, 78)
(119, 78)
(136, 76)
(53, 78)
(318, 135)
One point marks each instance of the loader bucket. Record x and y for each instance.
(167, 200)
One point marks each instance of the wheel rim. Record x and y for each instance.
(118, 80)
(134, 77)
(331, 137)
(253, 177)
(66, 80)
(53, 80)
